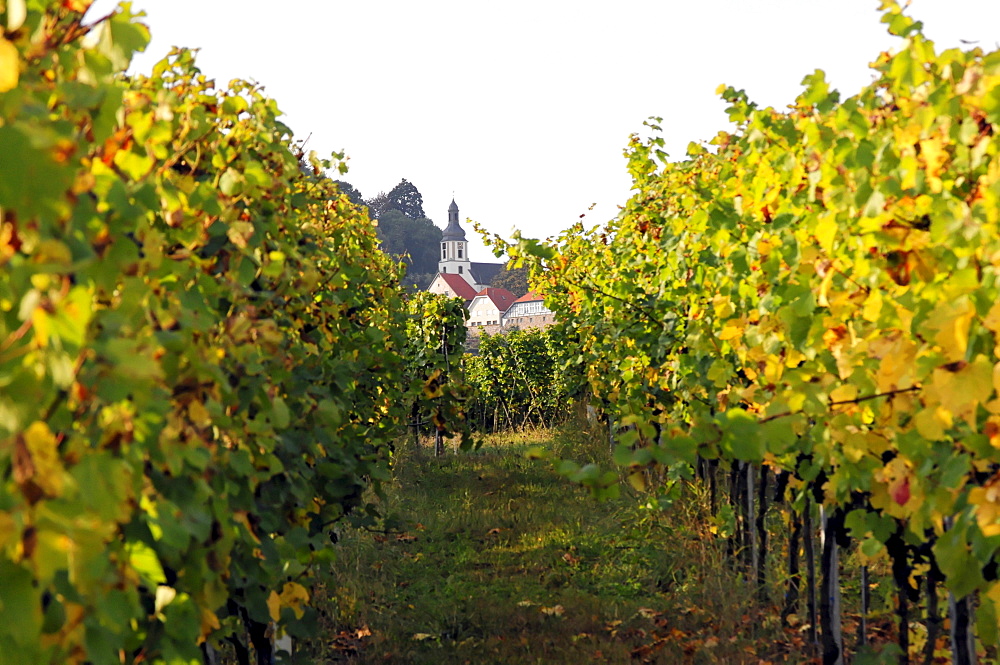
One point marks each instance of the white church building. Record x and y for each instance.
(455, 261)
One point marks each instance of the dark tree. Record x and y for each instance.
(416, 241)
(353, 194)
(378, 205)
(406, 198)
(514, 280)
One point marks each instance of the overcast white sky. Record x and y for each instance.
(523, 108)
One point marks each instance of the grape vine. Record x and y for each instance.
(201, 351)
(814, 294)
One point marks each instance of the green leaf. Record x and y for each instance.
(20, 605)
(145, 561)
(280, 415)
(954, 557)
(742, 435)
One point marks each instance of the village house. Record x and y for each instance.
(528, 311)
(454, 285)
(486, 310)
(491, 309)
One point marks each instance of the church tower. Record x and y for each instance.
(455, 248)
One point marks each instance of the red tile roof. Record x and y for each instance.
(502, 299)
(530, 296)
(458, 285)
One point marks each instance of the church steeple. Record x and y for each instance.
(453, 231)
(454, 248)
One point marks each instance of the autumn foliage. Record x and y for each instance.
(816, 294)
(200, 352)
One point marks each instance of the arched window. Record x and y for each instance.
(459, 270)
(459, 250)
(444, 250)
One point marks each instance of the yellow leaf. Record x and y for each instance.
(931, 424)
(41, 323)
(42, 445)
(199, 414)
(960, 387)
(432, 387)
(824, 288)
(987, 505)
(844, 393)
(934, 156)
(723, 306)
(10, 65)
(975, 381)
(794, 358)
(826, 230)
(294, 596)
(774, 367)
(908, 134)
(274, 606)
(209, 623)
(854, 448)
(952, 321)
(898, 354)
(730, 331)
(992, 318)
(873, 306)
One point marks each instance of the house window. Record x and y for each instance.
(459, 270)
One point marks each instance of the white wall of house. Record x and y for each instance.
(530, 308)
(531, 314)
(438, 285)
(483, 312)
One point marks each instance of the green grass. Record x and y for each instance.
(494, 558)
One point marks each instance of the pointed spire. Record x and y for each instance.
(453, 231)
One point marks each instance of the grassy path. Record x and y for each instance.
(493, 558)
